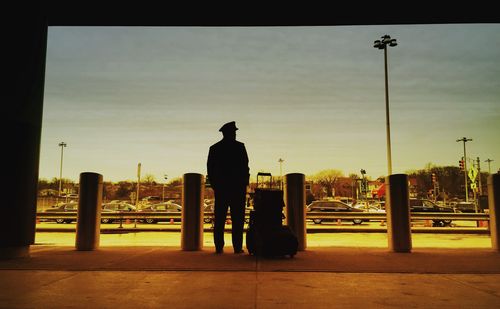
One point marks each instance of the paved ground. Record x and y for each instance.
(157, 276)
(357, 239)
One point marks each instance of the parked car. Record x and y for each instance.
(151, 199)
(71, 207)
(71, 196)
(332, 206)
(380, 204)
(466, 207)
(358, 204)
(424, 205)
(208, 210)
(165, 207)
(121, 206)
(116, 207)
(374, 209)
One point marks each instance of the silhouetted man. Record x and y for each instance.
(228, 173)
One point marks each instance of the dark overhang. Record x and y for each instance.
(164, 13)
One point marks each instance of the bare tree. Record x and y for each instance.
(149, 179)
(327, 179)
(176, 182)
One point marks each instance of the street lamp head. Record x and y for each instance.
(62, 144)
(378, 44)
(386, 40)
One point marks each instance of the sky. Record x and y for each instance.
(313, 96)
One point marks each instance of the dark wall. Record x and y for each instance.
(24, 46)
(158, 13)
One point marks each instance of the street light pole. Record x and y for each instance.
(281, 172)
(480, 183)
(163, 188)
(465, 140)
(138, 190)
(138, 184)
(382, 44)
(62, 145)
(387, 117)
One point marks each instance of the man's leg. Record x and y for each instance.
(237, 209)
(220, 213)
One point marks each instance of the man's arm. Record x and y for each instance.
(247, 169)
(211, 168)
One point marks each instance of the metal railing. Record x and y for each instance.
(382, 216)
(309, 216)
(112, 215)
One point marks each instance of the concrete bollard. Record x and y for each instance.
(494, 209)
(192, 212)
(295, 201)
(88, 224)
(398, 213)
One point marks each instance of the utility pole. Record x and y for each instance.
(465, 140)
(479, 175)
(489, 167)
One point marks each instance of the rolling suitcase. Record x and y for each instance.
(279, 242)
(266, 234)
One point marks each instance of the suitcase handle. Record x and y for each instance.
(262, 175)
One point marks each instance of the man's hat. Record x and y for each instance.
(230, 126)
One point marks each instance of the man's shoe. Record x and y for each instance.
(219, 251)
(238, 251)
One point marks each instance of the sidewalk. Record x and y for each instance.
(332, 277)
